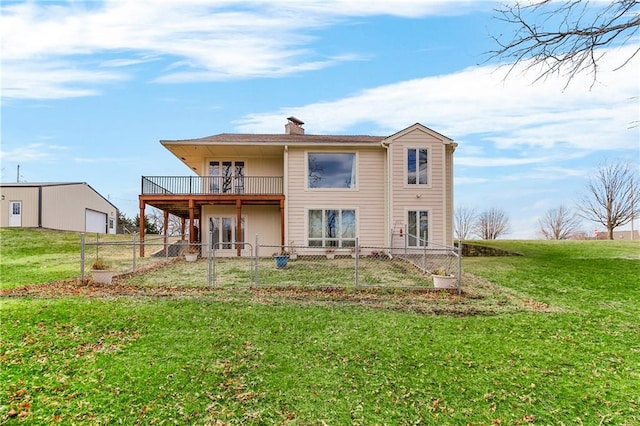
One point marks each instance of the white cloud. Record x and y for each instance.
(34, 152)
(465, 180)
(206, 40)
(499, 161)
(52, 80)
(477, 103)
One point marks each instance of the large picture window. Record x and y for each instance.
(418, 228)
(417, 172)
(331, 170)
(332, 228)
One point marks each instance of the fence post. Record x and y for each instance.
(166, 246)
(405, 240)
(210, 259)
(424, 254)
(391, 240)
(357, 262)
(82, 257)
(459, 266)
(133, 249)
(256, 265)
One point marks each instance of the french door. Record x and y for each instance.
(227, 177)
(223, 232)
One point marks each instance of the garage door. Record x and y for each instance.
(95, 221)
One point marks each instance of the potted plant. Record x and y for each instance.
(293, 254)
(100, 271)
(281, 258)
(192, 254)
(330, 252)
(443, 279)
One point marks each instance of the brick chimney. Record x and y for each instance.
(294, 126)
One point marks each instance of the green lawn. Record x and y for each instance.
(230, 357)
(36, 255)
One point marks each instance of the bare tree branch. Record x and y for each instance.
(491, 224)
(610, 200)
(464, 218)
(564, 37)
(559, 224)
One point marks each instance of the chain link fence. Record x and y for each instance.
(355, 267)
(230, 264)
(119, 254)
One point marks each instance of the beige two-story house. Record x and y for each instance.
(313, 191)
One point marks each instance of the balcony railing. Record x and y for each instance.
(198, 185)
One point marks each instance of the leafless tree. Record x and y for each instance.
(610, 198)
(491, 224)
(559, 223)
(175, 225)
(564, 37)
(464, 218)
(155, 218)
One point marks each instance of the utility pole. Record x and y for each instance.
(18, 174)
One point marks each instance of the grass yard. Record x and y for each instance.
(34, 255)
(306, 271)
(550, 337)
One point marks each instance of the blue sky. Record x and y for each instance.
(90, 87)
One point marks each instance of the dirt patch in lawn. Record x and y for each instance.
(479, 297)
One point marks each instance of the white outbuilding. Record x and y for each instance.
(66, 206)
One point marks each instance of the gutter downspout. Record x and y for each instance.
(285, 191)
(388, 196)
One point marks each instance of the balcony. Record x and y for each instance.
(212, 185)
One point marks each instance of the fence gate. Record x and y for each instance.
(229, 270)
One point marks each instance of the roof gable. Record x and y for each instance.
(422, 128)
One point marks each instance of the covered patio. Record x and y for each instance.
(184, 196)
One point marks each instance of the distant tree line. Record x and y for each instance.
(610, 200)
(489, 224)
(153, 223)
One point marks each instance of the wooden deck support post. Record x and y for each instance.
(166, 231)
(192, 229)
(141, 225)
(183, 227)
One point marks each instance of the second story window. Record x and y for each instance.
(226, 176)
(331, 170)
(417, 172)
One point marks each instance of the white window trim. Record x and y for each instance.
(406, 168)
(306, 223)
(320, 151)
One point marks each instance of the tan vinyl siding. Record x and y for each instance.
(261, 220)
(253, 166)
(430, 197)
(367, 199)
(64, 207)
(29, 198)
